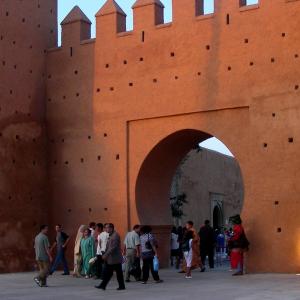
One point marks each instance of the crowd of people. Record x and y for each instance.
(190, 249)
(98, 252)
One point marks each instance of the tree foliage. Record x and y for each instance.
(177, 205)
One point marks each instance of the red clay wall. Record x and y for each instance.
(233, 75)
(27, 29)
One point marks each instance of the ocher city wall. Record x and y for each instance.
(27, 29)
(124, 109)
(208, 179)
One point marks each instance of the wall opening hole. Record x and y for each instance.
(227, 19)
(276, 202)
(265, 145)
(291, 140)
(207, 47)
(143, 36)
(71, 51)
(117, 156)
(279, 230)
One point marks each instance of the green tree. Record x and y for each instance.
(177, 206)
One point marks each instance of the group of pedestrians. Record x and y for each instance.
(98, 252)
(190, 249)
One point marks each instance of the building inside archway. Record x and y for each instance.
(209, 186)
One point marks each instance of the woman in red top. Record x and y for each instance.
(237, 246)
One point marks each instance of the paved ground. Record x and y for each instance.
(212, 285)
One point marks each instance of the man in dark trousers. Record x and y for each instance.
(207, 243)
(113, 259)
(61, 242)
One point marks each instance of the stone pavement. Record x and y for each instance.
(211, 285)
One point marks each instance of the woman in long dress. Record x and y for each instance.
(87, 247)
(196, 260)
(77, 252)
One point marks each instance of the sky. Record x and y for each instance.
(90, 8)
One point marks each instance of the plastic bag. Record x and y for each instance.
(155, 264)
(124, 261)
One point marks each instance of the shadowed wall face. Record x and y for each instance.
(27, 29)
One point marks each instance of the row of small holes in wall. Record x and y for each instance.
(23, 20)
(290, 140)
(14, 43)
(15, 67)
(117, 157)
(89, 210)
(155, 80)
(64, 97)
(172, 54)
(89, 138)
(34, 162)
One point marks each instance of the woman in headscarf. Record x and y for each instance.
(88, 252)
(237, 244)
(77, 252)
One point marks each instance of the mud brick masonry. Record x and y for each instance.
(94, 129)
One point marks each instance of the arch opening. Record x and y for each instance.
(155, 182)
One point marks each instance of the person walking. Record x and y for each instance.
(187, 248)
(196, 260)
(100, 250)
(237, 244)
(175, 248)
(131, 250)
(113, 259)
(87, 248)
(148, 251)
(77, 252)
(42, 255)
(207, 244)
(61, 242)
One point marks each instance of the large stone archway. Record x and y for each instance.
(156, 159)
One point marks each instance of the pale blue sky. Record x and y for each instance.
(90, 8)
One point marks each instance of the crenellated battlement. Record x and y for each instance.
(149, 15)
